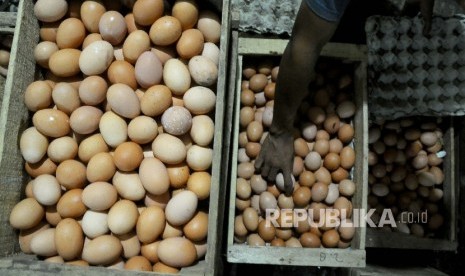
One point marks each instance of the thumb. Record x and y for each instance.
(288, 183)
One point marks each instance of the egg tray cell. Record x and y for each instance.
(412, 74)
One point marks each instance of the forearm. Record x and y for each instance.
(296, 70)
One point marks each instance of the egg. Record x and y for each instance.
(102, 250)
(243, 189)
(71, 174)
(332, 161)
(138, 263)
(92, 90)
(176, 120)
(65, 62)
(43, 166)
(176, 76)
(91, 12)
(99, 196)
(128, 156)
(70, 204)
(85, 119)
(66, 97)
(122, 217)
(128, 185)
(181, 208)
(148, 69)
(112, 27)
(94, 223)
(43, 243)
(121, 71)
(347, 156)
(123, 100)
(50, 11)
(190, 43)
(52, 216)
(184, 256)
(146, 12)
(165, 31)
(210, 25)
(313, 161)
(199, 158)
(38, 95)
(199, 100)
(101, 167)
(302, 196)
(69, 239)
(26, 214)
(202, 130)
(46, 189)
(169, 149)
(70, 34)
(310, 240)
(250, 218)
(26, 235)
(267, 201)
(197, 228)
(92, 38)
(135, 44)
(319, 191)
(48, 31)
(203, 70)
(346, 109)
(321, 147)
(43, 51)
(344, 206)
(96, 58)
(153, 175)
(33, 145)
(187, 12)
(172, 231)
(113, 129)
(150, 224)
(346, 133)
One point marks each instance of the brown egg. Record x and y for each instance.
(332, 123)
(187, 12)
(241, 205)
(90, 146)
(330, 238)
(26, 235)
(323, 175)
(102, 250)
(38, 95)
(319, 191)
(243, 140)
(65, 62)
(307, 179)
(128, 156)
(71, 174)
(92, 90)
(42, 53)
(131, 23)
(302, 196)
(247, 97)
(339, 175)
(48, 31)
(44, 166)
(310, 240)
(258, 82)
(239, 227)
(255, 240)
(300, 147)
(243, 189)
(343, 205)
(146, 12)
(69, 239)
(70, 204)
(184, 256)
(138, 263)
(165, 31)
(254, 131)
(164, 269)
(347, 157)
(266, 231)
(51, 122)
(197, 228)
(346, 133)
(250, 218)
(247, 115)
(101, 167)
(91, 12)
(26, 214)
(270, 90)
(253, 149)
(52, 216)
(179, 174)
(321, 147)
(278, 242)
(149, 251)
(150, 224)
(322, 134)
(316, 115)
(85, 119)
(273, 190)
(156, 100)
(190, 43)
(346, 230)
(70, 33)
(332, 161)
(122, 72)
(66, 97)
(298, 166)
(284, 233)
(91, 38)
(135, 44)
(199, 183)
(245, 170)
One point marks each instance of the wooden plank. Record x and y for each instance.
(276, 46)
(14, 119)
(218, 190)
(296, 256)
(353, 257)
(8, 19)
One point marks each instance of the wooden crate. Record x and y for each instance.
(7, 23)
(449, 242)
(14, 119)
(352, 257)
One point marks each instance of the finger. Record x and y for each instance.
(272, 174)
(426, 9)
(259, 161)
(288, 183)
(265, 170)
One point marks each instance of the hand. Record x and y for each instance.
(277, 155)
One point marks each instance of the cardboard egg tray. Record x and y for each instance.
(412, 74)
(354, 256)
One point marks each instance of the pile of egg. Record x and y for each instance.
(323, 162)
(406, 175)
(120, 147)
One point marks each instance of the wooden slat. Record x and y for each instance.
(8, 19)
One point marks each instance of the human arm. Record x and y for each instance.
(296, 71)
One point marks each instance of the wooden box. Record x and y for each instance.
(449, 241)
(7, 23)
(14, 119)
(351, 257)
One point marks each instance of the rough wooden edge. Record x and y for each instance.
(244, 254)
(379, 239)
(297, 256)
(235, 91)
(276, 46)
(218, 189)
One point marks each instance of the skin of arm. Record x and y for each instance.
(296, 71)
